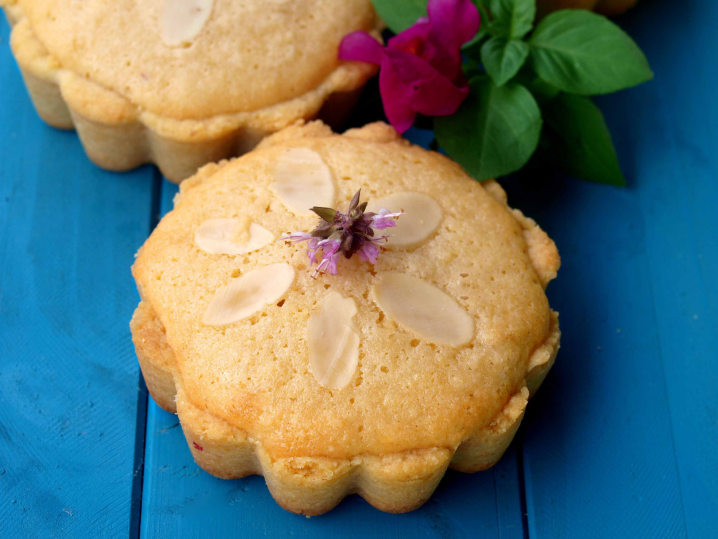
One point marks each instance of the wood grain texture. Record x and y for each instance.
(598, 451)
(623, 438)
(180, 500)
(68, 375)
(673, 143)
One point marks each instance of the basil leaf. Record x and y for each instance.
(576, 140)
(582, 53)
(542, 90)
(509, 18)
(400, 14)
(502, 58)
(539, 88)
(495, 131)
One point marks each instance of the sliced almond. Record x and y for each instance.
(333, 341)
(219, 237)
(183, 20)
(303, 181)
(249, 293)
(421, 218)
(424, 309)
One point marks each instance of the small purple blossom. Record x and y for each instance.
(312, 248)
(330, 256)
(384, 219)
(369, 252)
(344, 234)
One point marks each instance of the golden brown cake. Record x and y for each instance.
(374, 380)
(185, 82)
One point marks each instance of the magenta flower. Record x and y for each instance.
(420, 67)
(344, 234)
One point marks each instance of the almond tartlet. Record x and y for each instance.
(369, 374)
(182, 83)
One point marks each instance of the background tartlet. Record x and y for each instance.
(136, 93)
(606, 7)
(247, 397)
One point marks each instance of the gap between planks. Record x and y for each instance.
(142, 393)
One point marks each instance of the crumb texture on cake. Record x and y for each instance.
(246, 396)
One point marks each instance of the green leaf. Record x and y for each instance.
(400, 14)
(508, 18)
(328, 214)
(502, 58)
(582, 53)
(495, 131)
(576, 140)
(541, 89)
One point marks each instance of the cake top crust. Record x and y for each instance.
(194, 59)
(397, 382)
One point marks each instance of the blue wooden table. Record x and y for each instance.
(622, 440)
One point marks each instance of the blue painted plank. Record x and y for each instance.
(68, 374)
(677, 188)
(623, 439)
(598, 446)
(180, 500)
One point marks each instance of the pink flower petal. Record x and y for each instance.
(411, 37)
(396, 97)
(420, 67)
(445, 60)
(412, 85)
(455, 21)
(360, 47)
(422, 40)
(439, 97)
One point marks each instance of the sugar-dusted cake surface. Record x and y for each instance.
(406, 394)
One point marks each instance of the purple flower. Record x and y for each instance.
(369, 252)
(344, 234)
(312, 248)
(330, 254)
(420, 67)
(384, 219)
